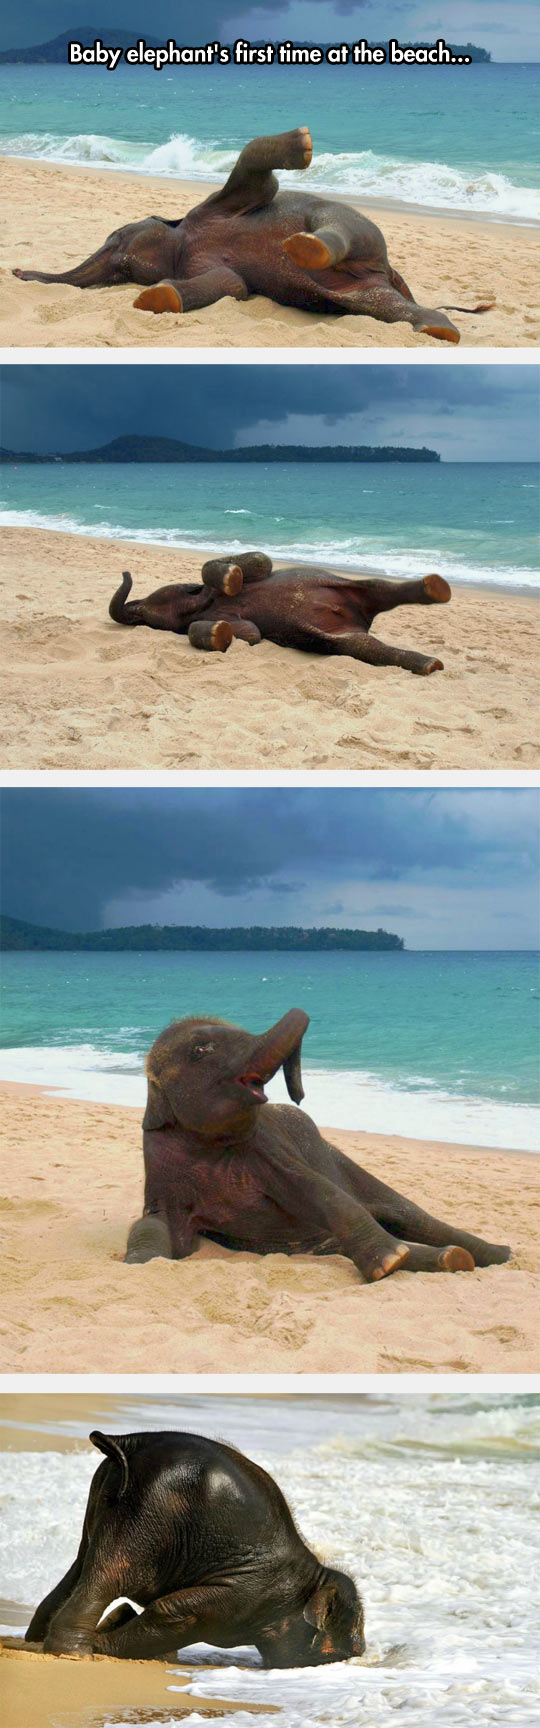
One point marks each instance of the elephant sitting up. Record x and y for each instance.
(222, 1162)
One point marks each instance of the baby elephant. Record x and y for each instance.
(204, 1541)
(251, 238)
(223, 1163)
(300, 606)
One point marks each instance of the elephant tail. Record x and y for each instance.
(122, 613)
(484, 306)
(113, 1449)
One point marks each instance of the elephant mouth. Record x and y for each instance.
(252, 1087)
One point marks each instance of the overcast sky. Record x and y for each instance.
(468, 413)
(444, 869)
(508, 28)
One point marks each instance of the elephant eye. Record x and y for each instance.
(199, 1050)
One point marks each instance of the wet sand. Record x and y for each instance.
(55, 216)
(72, 1184)
(83, 1691)
(82, 692)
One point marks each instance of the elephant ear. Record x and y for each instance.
(318, 1609)
(158, 1113)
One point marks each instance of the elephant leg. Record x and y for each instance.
(74, 1625)
(211, 633)
(401, 1215)
(225, 575)
(361, 646)
(400, 285)
(149, 1239)
(404, 1218)
(40, 1622)
(423, 1258)
(191, 1616)
(190, 294)
(245, 631)
(385, 596)
(252, 182)
(377, 299)
(323, 248)
(255, 566)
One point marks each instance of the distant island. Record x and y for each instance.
(16, 935)
(135, 447)
(55, 51)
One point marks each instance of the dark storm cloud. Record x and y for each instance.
(40, 20)
(78, 407)
(508, 31)
(68, 854)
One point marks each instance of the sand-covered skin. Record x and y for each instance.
(72, 1183)
(56, 216)
(83, 1691)
(82, 692)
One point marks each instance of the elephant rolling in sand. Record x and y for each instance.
(301, 606)
(204, 1541)
(250, 238)
(221, 1162)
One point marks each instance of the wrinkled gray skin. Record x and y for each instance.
(251, 238)
(203, 1540)
(222, 1162)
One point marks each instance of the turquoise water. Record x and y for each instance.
(398, 1038)
(475, 522)
(456, 138)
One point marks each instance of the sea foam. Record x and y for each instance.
(432, 185)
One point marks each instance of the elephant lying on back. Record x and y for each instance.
(204, 1541)
(251, 238)
(222, 1162)
(301, 606)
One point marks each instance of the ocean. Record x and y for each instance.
(474, 522)
(457, 139)
(429, 1501)
(429, 1045)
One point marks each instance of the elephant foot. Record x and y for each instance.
(454, 1259)
(436, 589)
(490, 1253)
(163, 298)
(442, 332)
(148, 1239)
(218, 636)
(307, 251)
(68, 1644)
(427, 667)
(298, 148)
(385, 1262)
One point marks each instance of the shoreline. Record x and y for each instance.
(93, 1689)
(476, 588)
(70, 1302)
(446, 257)
(393, 1101)
(373, 201)
(81, 692)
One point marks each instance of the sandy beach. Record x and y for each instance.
(72, 1183)
(83, 1691)
(81, 692)
(55, 216)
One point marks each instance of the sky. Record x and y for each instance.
(510, 29)
(468, 413)
(442, 868)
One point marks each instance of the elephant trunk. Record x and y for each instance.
(281, 1048)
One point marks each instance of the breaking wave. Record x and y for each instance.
(357, 555)
(433, 185)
